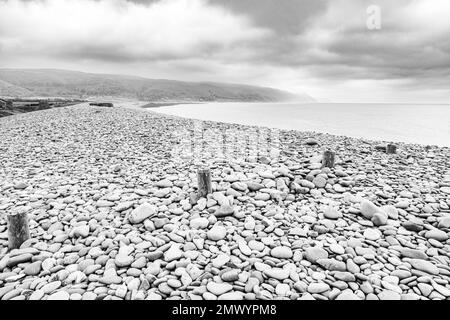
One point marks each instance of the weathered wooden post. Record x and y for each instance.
(204, 181)
(18, 231)
(391, 148)
(328, 159)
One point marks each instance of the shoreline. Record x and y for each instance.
(113, 212)
(310, 122)
(368, 140)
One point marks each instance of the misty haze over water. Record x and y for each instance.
(412, 123)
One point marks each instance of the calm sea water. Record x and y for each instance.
(412, 123)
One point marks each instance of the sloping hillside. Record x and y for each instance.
(62, 83)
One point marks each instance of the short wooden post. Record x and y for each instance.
(204, 182)
(328, 159)
(391, 149)
(18, 231)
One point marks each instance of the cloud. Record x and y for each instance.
(322, 47)
(119, 30)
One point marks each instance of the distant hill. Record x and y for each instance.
(62, 83)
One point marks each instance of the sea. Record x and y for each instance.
(427, 124)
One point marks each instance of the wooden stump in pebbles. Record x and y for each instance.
(18, 231)
(204, 182)
(391, 149)
(328, 159)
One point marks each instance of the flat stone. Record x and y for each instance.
(224, 211)
(52, 286)
(218, 288)
(235, 295)
(436, 234)
(318, 287)
(142, 212)
(333, 214)
(123, 260)
(319, 182)
(199, 223)
(33, 269)
(80, 231)
(277, 273)
(312, 254)
(389, 295)
(230, 275)
(444, 222)
(411, 253)
(59, 295)
(368, 209)
(216, 233)
(347, 295)
(219, 261)
(372, 234)
(13, 261)
(281, 252)
(332, 264)
(424, 266)
(174, 253)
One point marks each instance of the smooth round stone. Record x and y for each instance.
(318, 287)
(444, 222)
(281, 252)
(282, 289)
(59, 295)
(33, 269)
(216, 233)
(372, 234)
(37, 295)
(76, 296)
(123, 260)
(368, 209)
(174, 283)
(424, 266)
(141, 213)
(332, 214)
(199, 223)
(319, 182)
(218, 288)
(379, 219)
(436, 234)
(389, 295)
(347, 295)
(256, 245)
(174, 253)
(318, 276)
(231, 275)
(337, 248)
(20, 185)
(277, 273)
(235, 295)
(219, 261)
(139, 263)
(312, 254)
(52, 286)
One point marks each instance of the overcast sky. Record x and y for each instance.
(320, 47)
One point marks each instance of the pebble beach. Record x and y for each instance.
(114, 214)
